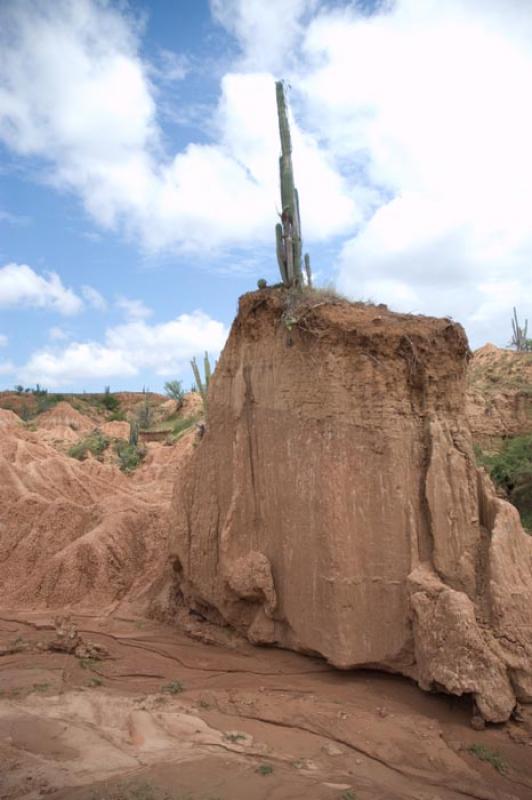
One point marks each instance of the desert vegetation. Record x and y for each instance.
(510, 466)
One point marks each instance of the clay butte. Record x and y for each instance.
(334, 507)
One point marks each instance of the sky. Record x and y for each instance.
(139, 171)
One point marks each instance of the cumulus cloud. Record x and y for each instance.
(6, 367)
(94, 298)
(57, 334)
(21, 286)
(269, 33)
(412, 138)
(134, 309)
(438, 120)
(126, 350)
(75, 92)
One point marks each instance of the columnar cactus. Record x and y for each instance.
(202, 384)
(288, 231)
(519, 338)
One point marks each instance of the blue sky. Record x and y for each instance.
(138, 171)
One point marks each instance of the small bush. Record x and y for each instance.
(46, 401)
(483, 753)
(129, 455)
(174, 687)
(145, 413)
(118, 416)
(181, 426)
(265, 769)
(174, 389)
(95, 443)
(110, 401)
(511, 469)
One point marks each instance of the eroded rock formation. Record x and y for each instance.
(333, 505)
(499, 397)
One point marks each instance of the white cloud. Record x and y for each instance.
(21, 286)
(75, 91)
(3, 340)
(134, 309)
(438, 119)
(268, 32)
(413, 138)
(7, 367)
(94, 298)
(13, 219)
(57, 334)
(128, 349)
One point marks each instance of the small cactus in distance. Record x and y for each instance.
(202, 383)
(288, 231)
(519, 335)
(134, 434)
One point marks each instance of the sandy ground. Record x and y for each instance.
(163, 716)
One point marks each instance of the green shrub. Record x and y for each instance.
(129, 455)
(511, 469)
(145, 413)
(118, 416)
(181, 426)
(174, 389)
(174, 687)
(94, 443)
(110, 401)
(264, 769)
(45, 401)
(483, 753)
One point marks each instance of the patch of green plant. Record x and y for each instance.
(174, 687)
(110, 401)
(136, 790)
(174, 389)
(348, 795)
(88, 662)
(234, 737)
(483, 753)
(181, 426)
(511, 469)
(118, 416)
(129, 455)
(93, 682)
(41, 687)
(94, 443)
(145, 412)
(264, 769)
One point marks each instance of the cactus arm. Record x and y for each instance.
(281, 252)
(298, 274)
(207, 367)
(284, 128)
(308, 270)
(197, 377)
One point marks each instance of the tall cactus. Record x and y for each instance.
(202, 384)
(519, 338)
(288, 231)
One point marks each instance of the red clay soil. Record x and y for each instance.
(160, 716)
(80, 533)
(334, 505)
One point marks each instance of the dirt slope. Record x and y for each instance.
(333, 505)
(79, 534)
(499, 397)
